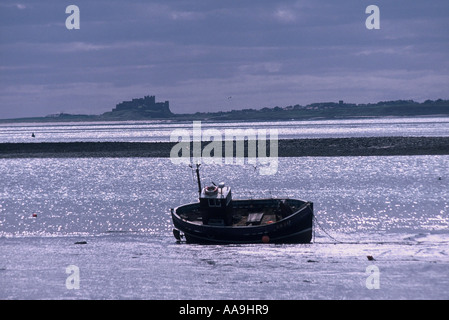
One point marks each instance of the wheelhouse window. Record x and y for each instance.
(214, 202)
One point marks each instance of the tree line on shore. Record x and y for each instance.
(327, 110)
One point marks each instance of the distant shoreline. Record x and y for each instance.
(147, 109)
(323, 147)
(175, 120)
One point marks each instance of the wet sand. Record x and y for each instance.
(326, 147)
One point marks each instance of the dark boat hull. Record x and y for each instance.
(296, 228)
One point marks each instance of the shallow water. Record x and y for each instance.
(392, 208)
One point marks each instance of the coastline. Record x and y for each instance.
(323, 147)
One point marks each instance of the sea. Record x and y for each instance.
(79, 228)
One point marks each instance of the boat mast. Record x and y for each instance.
(198, 177)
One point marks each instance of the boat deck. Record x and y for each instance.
(245, 221)
(247, 215)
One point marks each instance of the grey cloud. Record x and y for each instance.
(195, 53)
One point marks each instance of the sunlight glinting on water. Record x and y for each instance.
(147, 131)
(94, 196)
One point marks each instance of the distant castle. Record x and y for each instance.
(145, 107)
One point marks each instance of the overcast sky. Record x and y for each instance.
(208, 55)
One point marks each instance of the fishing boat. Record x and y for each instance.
(218, 219)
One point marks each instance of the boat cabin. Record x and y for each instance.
(216, 205)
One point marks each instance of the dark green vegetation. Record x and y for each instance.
(147, 108)
(331, 110)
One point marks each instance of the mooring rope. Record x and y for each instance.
(322, 229)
